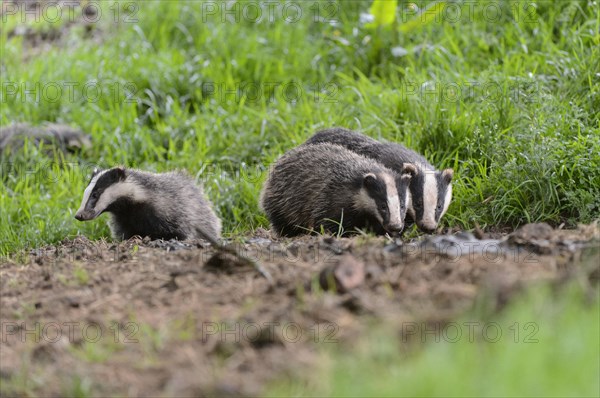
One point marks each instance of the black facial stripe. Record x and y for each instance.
(106, 180)
(442, 187)
(417, 186)
(94, 174)
(379, 194)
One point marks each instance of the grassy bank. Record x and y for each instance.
(508, 95)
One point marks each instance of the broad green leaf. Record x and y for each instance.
(424, 17)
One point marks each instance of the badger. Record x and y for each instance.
(160, 206)
(430, 189)
(64, 137)
(329, 186)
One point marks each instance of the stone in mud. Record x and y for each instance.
(346, 275)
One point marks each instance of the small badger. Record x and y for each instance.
(160, 206)
(430, 189)
(64, 137)
(325, 185)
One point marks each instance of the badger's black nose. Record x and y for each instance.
(394, 229)
(428, 230)
(79, 217)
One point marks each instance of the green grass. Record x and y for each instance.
(542, 345)
(510, 103)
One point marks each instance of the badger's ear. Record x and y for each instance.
(447, 174)
(409, 169)
(120, 172)
(369, 180)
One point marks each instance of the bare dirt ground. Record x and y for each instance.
(172, 318)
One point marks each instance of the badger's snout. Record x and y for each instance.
(85, 215)
(429, 229)
(394, 229)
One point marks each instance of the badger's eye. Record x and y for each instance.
(383, 208)
(94, 195)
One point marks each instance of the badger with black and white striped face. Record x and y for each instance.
(430, 189)
(327, 186)
(160, 206)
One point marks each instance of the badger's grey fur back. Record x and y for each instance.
(430, 189)
(64, 137)
(160, 206)
(390, 154)
(323, 185)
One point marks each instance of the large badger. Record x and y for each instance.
(430, 189)
(160, 206)
(328, 186)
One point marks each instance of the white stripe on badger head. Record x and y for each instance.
(408, 199)
(393, 199)
(410, 209)
(89, 189)
(447, 200)
(430, 196)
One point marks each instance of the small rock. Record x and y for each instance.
(171, 285)
(260, 241)
(346, 275)
(223, 261)
(536, 237)
(530, 232)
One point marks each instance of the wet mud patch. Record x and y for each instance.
(178, 318)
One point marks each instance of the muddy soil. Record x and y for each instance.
(176, 318)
